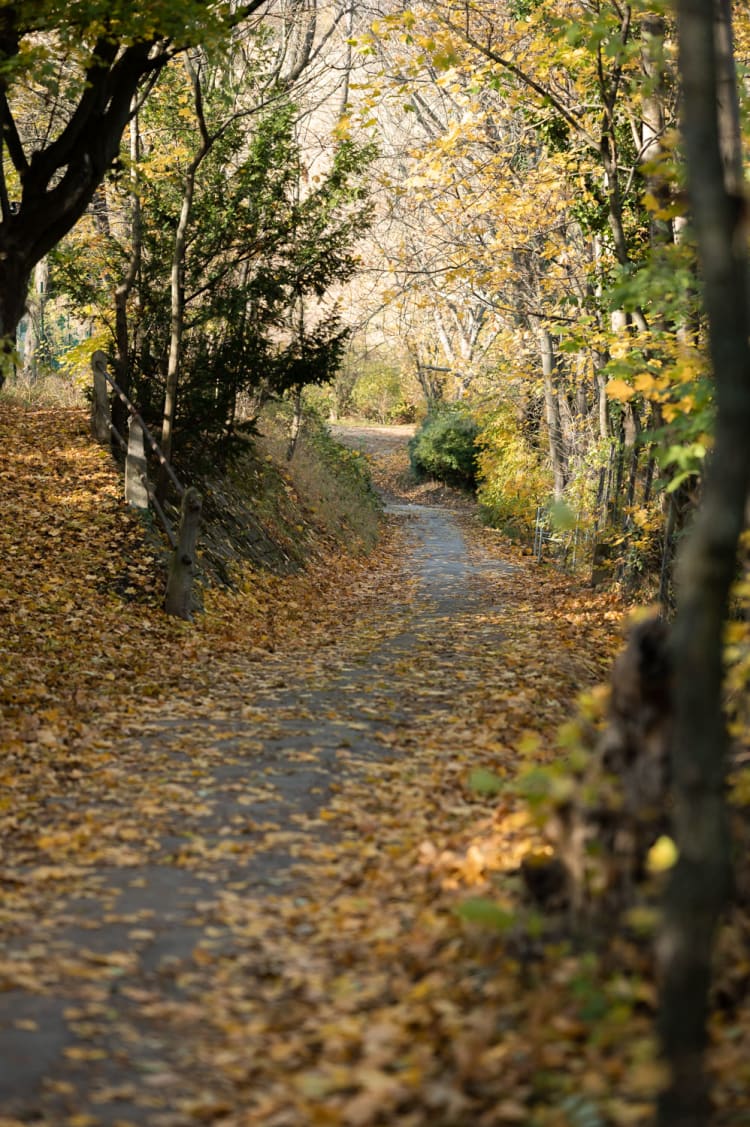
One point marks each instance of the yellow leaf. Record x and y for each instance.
(645, 382)
(620, 390)
(83, 1052)
(662, 855)
(510, 1111)
(647, 1077)
(529, 743)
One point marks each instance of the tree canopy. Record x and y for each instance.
(70, 77)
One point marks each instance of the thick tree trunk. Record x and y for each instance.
(36, 345)
(60, 180)
(136, 467)
(701, 881)
(14, 286)
(101, 411)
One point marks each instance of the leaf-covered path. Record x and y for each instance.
(241, 909)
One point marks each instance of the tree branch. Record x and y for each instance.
(11, 137)
(571, 118)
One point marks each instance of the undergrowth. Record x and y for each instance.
(47, 389)
(261, 510)
(334, 481)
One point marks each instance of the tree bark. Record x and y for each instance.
(35, 345)
(182, 567)
(59, 181)
(101, 415)
(177, 305)
(701, 881)
(552, 413)
(125, 286)
(296, 425)
(654, 118)
(136, 468)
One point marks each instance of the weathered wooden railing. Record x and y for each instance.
(140, 493)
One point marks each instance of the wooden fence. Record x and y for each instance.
(140, 493)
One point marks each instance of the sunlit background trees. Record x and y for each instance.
(403, 210)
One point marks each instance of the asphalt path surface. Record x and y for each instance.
(91, 988)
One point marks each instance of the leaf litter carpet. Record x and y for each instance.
(232, 852)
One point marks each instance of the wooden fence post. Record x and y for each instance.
(136, 470)
(178, 600)
(101, 414)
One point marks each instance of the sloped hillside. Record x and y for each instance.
(82, 632)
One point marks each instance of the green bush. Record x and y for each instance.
(444, 448)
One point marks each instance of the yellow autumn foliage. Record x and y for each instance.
(514, 479)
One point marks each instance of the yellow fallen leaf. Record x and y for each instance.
(83, 1052)
(508, 1111)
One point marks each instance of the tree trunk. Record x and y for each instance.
(701, 881)
(179, 596)
(35, 345)
(552, 413)
(296, 426)
(136, 468)
(654, 117)
(101, 414)
(177, 320)
(177, 307)
(14, 286)
(602, 405)
(125, 286)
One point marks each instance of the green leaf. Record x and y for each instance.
(677, 480)
(486, 782)
(562, 516)
(487, 913)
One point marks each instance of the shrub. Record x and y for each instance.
(514, 478)
(376, 393)
(403, 412)
(444, 448)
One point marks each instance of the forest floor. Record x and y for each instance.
(238, 857)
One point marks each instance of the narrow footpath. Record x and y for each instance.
(269, 937)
